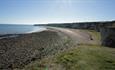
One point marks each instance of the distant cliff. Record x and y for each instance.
(106, 28)
(82, 25)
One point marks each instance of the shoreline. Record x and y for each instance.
(2, 36)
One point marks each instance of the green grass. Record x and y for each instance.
(95, 34)
(88, 58)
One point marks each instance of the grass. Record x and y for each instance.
(84, 57)
(95, 34)
(87, 57)
(81, 57)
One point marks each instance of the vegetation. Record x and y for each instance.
(88, 57)
(81, 57)
(84, 57)
(19, 51)
(95, 34)
(51, 50)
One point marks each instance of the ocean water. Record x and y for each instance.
(19, 29)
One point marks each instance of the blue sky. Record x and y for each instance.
(55, 11)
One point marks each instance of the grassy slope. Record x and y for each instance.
(82, 57)
(88, 57)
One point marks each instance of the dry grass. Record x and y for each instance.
(20, 51)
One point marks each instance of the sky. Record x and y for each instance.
(55, 11)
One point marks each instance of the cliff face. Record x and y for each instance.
(82, 25)
(108, 37)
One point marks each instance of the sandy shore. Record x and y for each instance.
(16, 52)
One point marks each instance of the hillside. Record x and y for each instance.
(56, 49)
(84, 55)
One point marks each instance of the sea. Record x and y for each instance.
(19, 29)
